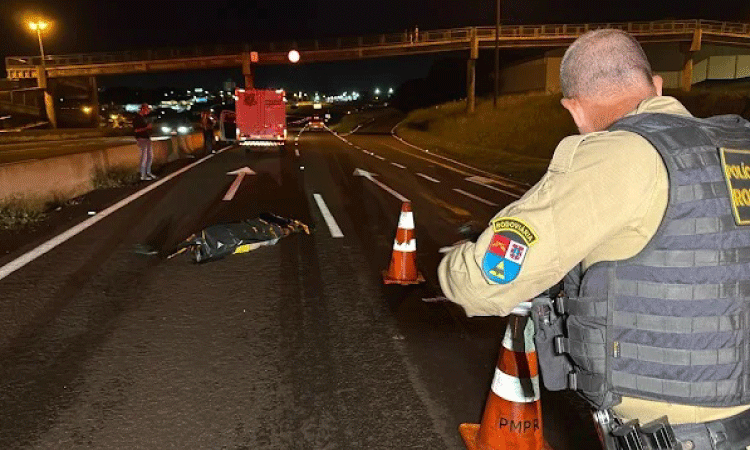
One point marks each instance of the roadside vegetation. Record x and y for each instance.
(519, 137)
(114, 177)
(354, 119)
(18, 213)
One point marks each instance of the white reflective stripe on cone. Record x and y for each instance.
(410, 246)
(527, 345)
(406, 221)
(513, 389)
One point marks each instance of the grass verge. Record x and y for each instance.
(519, 137)
(16, 213)
(352, 121)
(19, 213)
(114, 177)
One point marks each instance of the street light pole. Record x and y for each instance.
(42, 82)
(39, 27)
(41, 45)
(497, 54)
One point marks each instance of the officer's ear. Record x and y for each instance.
(658, 84)
(576, 111)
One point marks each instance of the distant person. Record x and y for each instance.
(416, 33)
(207, 124)
(142, 130)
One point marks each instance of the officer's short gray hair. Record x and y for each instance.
(604, 62)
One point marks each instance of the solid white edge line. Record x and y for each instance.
(328, 217)
(488, 174)
(428, 178)
(31, 255)
(494, 188)
(479, 199)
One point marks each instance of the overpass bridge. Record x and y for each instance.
(690, 34)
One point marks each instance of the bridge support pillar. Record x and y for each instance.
(688, 50)
(686, 76)
(471, 73)
(49, 100)
(247, 70)
(471, 85)
(94, 96)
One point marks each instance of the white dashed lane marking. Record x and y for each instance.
(328, 217)
(479, 199)
(398, 165)
(428, 178)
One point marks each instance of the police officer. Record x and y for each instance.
(643, 215)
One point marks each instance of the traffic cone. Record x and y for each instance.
(512, 417)
(403, 269)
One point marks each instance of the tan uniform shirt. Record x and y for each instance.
(602, 199)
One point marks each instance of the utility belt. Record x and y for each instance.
(731, 433)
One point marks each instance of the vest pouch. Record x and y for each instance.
(549, 325)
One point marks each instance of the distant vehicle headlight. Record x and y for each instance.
(166, 129)
(183, 130)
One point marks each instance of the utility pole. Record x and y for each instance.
(497, 54)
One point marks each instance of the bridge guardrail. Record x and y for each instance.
(386, 40)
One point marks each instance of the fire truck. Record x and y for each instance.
(260, 117)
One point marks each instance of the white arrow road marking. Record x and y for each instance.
(487, 182)
(428, 178)
(240, 174)
(30, 256)
(370, 176)
(479, 199)
(328, 217)
(398, 165)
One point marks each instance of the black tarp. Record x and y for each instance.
(218, 241)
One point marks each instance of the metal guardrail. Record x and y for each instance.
(638, 29)
(24, 97)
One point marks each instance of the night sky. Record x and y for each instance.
(104, 25)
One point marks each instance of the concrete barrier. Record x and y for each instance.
(68, 176)
(10, 137)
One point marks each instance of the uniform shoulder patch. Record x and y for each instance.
(736, 167)
(507, 250)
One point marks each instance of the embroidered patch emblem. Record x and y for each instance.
(507, 250)
(736, 167)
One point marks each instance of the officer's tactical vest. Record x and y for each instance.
(673, 323)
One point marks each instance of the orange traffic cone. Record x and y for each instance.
(513, 413)
(403, 269)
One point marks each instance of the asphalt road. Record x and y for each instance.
(295, 346)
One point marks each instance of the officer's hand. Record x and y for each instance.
(471, 231)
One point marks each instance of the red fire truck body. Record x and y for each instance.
(261, 117)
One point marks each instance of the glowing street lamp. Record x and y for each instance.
(293, 56)
(87, 109)
(39, 26)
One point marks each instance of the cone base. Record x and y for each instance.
(470, 434)
(387, 279)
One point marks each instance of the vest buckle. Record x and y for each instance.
(628, 436)
(560, 304)
(660, 435)
(562, 345)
